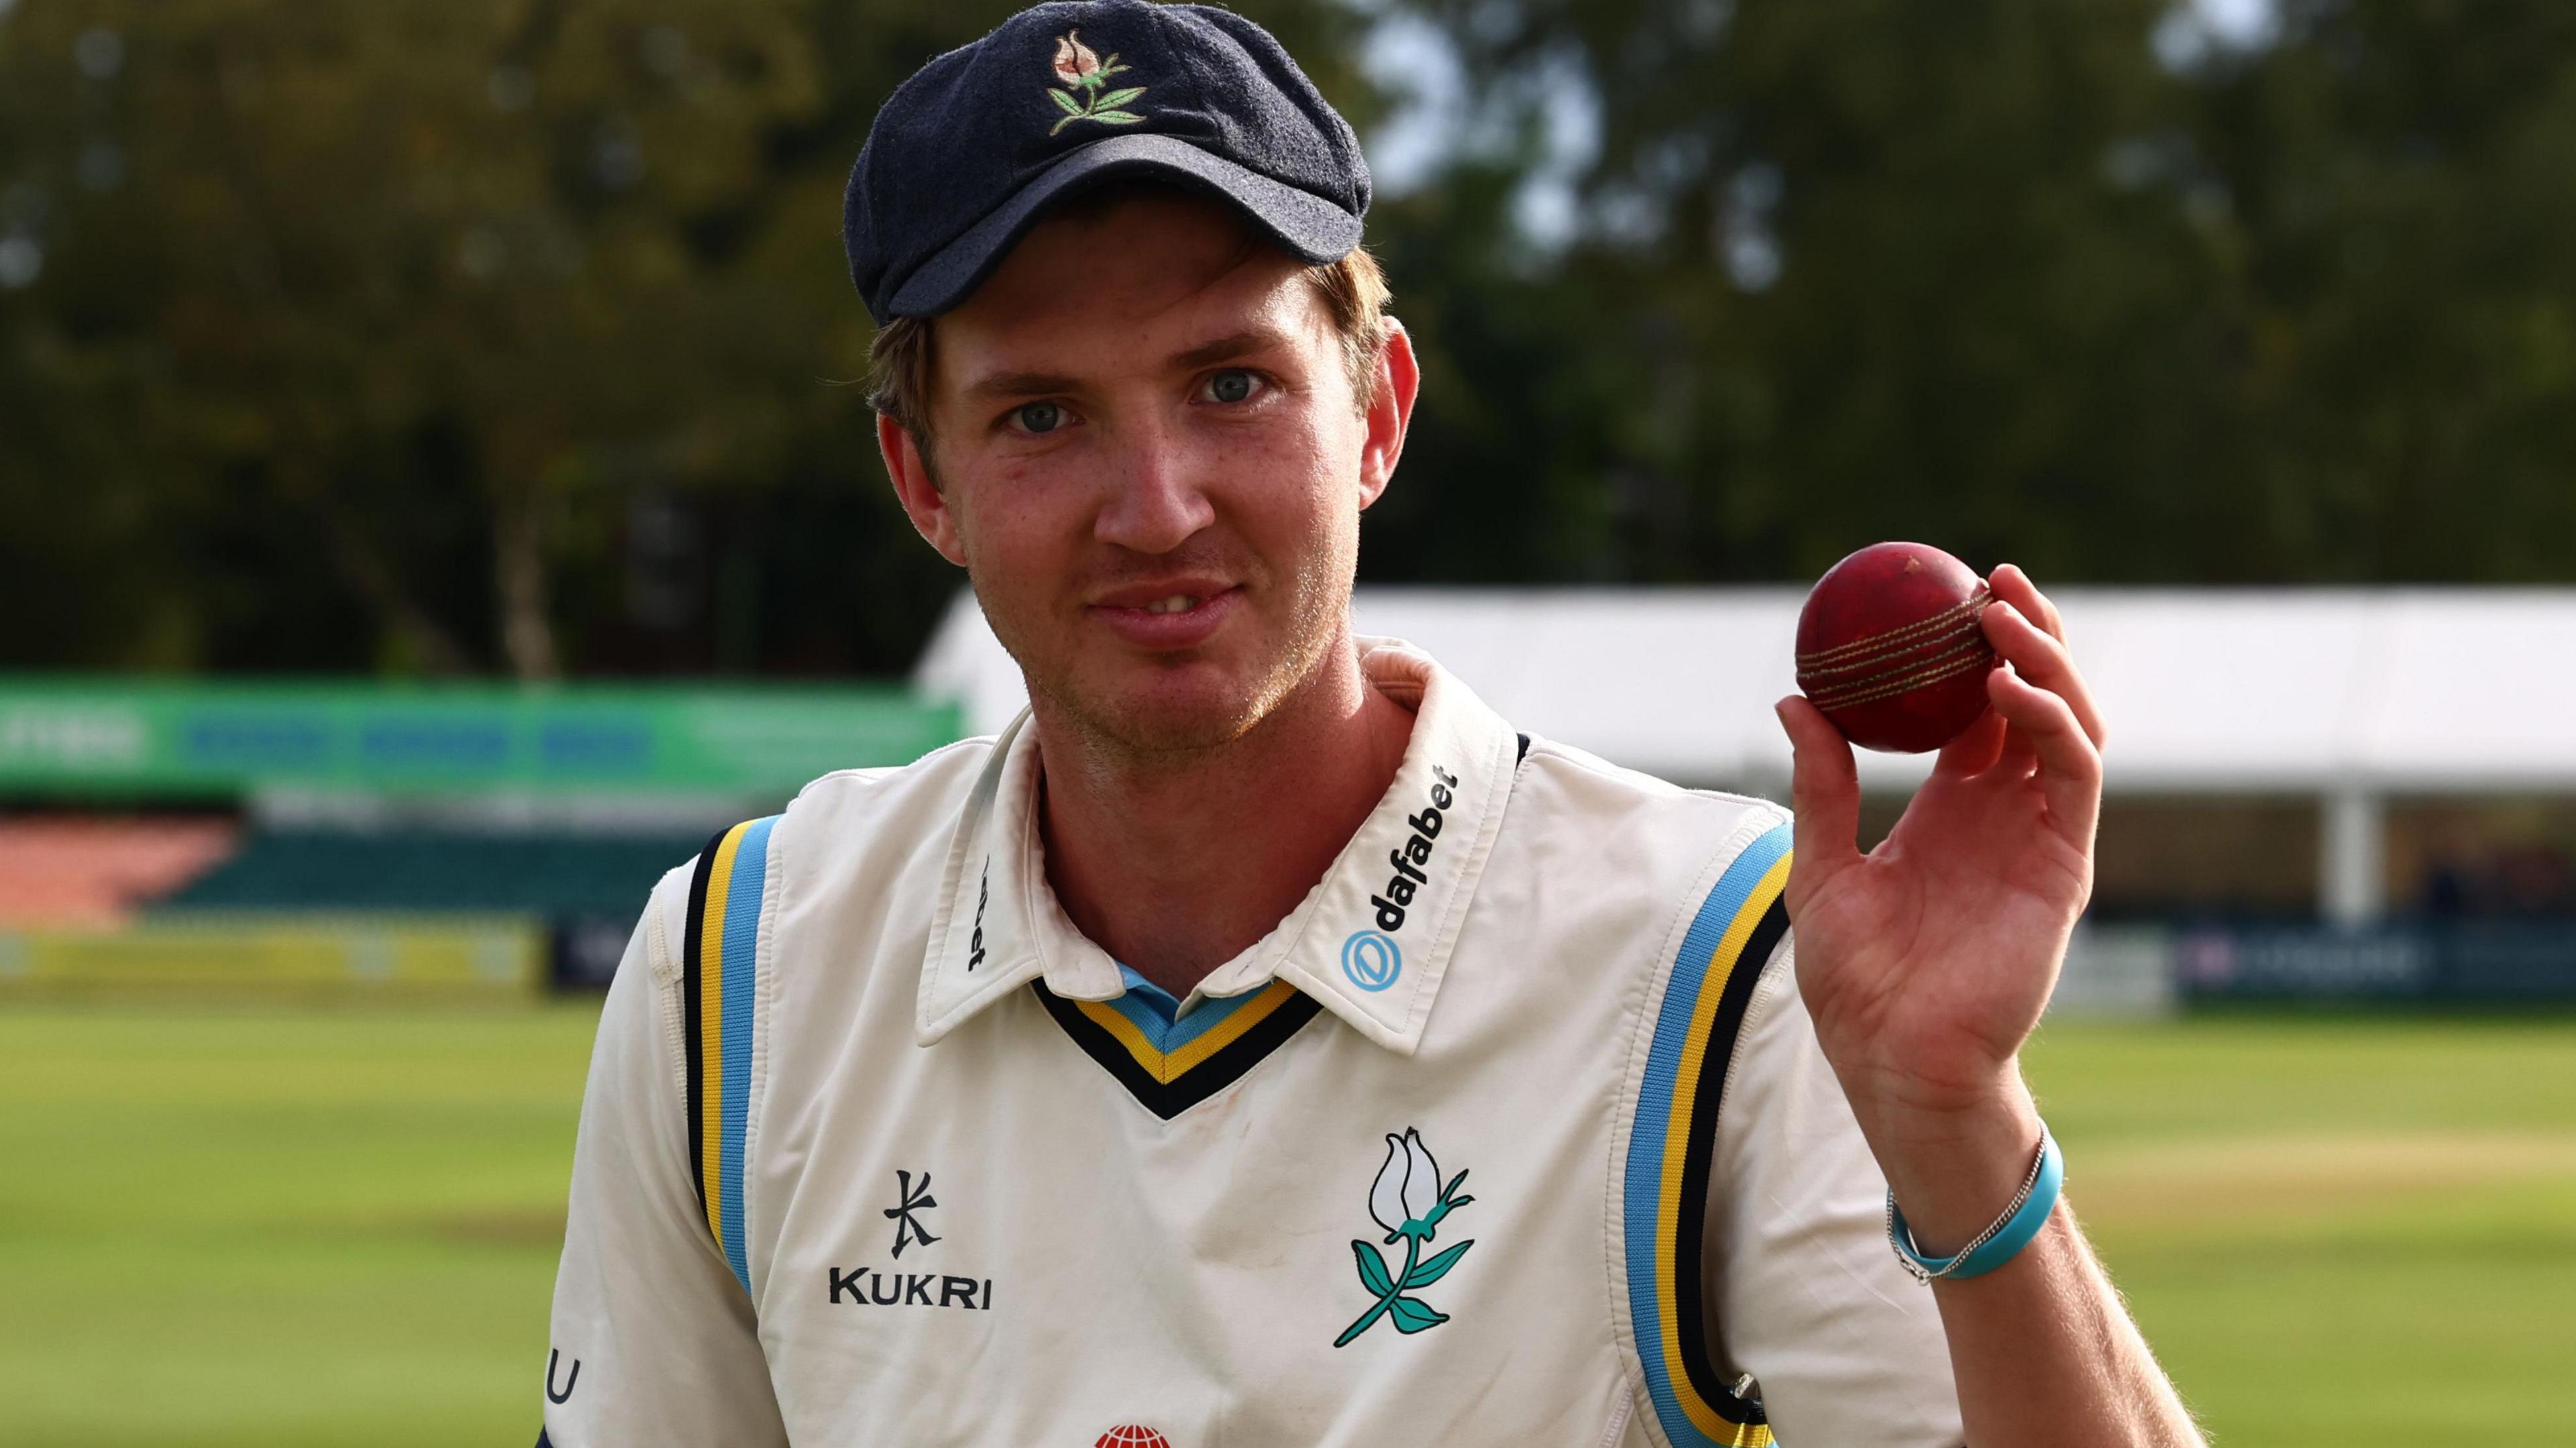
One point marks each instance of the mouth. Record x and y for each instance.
(1165, 617)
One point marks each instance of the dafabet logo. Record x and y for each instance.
(1371, 958)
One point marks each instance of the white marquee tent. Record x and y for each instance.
(2348, 694)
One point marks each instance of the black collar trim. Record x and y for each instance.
(1217, 1071)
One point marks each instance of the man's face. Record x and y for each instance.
(1151, 461)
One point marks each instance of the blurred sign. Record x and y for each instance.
(2292, 961)
(2118, 970)
(2463, 961)
(83, 736)
(587, 950)
(230, 955)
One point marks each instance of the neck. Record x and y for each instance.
(1152, 858)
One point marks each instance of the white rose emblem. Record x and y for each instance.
(1409, 1200)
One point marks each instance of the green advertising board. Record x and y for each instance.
(89, 736)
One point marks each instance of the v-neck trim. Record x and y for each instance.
(1190, 1059)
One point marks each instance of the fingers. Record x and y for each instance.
(1975, 750)
(1824, 789)
(2013, 586)
(2040, 658)
(2070, 768)
(2017, 758)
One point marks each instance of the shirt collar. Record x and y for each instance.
(1370, 942)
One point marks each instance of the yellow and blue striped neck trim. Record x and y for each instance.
(1170, 1065)
(719, 991)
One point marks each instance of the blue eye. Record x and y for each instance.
(1232, 385)
(1040, 417)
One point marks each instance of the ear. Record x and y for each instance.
(1399, 378)
(919, 493)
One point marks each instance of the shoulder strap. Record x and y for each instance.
(719, 973)
(1673, 1136)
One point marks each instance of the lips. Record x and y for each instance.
(1165, 616)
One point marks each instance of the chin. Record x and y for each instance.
(1167, 709)
(1157, 718)
(1178, 704)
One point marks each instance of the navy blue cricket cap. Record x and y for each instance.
(967, 153)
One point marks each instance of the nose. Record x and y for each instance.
(1156, 501)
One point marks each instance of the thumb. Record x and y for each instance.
(1824, 790)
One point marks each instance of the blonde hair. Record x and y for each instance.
(1353, 291)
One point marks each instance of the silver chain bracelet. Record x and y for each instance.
(1900, 1239)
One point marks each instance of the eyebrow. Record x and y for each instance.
(1019, 384)
(1206, 354)
(1223, 349)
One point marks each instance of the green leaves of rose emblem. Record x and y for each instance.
(1086, 73)
(1409, 1201)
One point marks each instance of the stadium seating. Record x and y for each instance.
(558, 876)
(94, 873)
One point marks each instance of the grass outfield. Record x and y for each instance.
(284, 1228)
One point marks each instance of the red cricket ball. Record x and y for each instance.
(1889, 647)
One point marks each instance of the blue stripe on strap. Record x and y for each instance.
(1651, 1300)
(741, 978)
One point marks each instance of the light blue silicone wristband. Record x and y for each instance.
(2008, 1239)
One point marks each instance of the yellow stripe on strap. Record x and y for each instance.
(711, 1028)
(1721, 965)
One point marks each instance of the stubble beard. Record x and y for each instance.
(1131, 728)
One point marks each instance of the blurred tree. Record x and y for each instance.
(440, 337)
(1872, 269)
(2394, 176)
(389, 299)
(2094, 286)
(514, 336)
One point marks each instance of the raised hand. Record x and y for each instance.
(1926, 962)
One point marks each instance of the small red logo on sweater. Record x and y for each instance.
(1132, 1435)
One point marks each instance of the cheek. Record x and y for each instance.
(1294, 483)
(1020, 534)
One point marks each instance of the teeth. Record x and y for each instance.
(1177, 603)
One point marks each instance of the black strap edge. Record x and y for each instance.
(1717, 1056)
(693, 968)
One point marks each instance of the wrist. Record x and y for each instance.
(1954, 1167)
